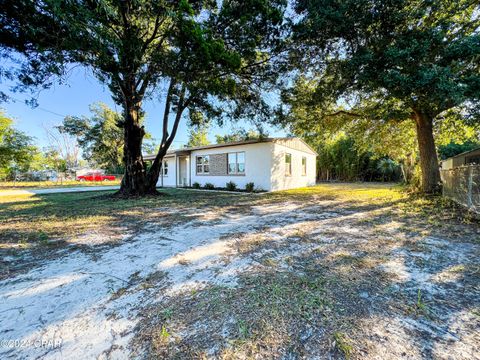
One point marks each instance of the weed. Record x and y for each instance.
(342, 343)
(164, 334)
(243, 330)
(167, 313)
(421, 306)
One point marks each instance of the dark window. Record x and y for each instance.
(165, 168)
(472, 160)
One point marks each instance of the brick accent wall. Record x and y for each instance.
(218, 165)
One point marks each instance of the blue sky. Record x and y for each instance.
(75, 97)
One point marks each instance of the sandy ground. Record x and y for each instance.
(413, 296)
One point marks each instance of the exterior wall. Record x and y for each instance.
(169, 179)
(472, 157)
(280, 181)
(258, 162)
(447, 164)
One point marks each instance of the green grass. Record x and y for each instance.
(31, 219)
(37, 219)
(9, 185)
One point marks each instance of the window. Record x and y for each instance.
(165, 168)
(236, 163)
(203, 164)
(472, 160)
(304, 165)
(288, 164)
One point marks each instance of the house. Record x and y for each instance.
(466, 158)
(271, 164)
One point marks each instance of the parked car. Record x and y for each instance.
(95, 176)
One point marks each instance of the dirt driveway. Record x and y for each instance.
(363, 273)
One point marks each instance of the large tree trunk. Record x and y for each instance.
(154, 171)
(133, 182)
(153, 174)
(428, 154)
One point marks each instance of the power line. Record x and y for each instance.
(38, 107)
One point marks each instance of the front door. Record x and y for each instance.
(183, 171)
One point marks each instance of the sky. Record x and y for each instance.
(74, 98)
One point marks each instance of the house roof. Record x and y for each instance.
(464, 153)
(235, 143)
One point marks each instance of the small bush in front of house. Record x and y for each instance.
(196, 185)
(209, 186)
(250, 187)
(231, 186)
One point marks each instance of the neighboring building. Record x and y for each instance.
(467, 158)
(271, 164)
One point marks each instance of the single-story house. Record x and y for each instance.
(466, 158)
(271, 164)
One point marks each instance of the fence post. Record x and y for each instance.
(469, 187)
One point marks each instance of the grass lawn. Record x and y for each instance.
(334, 271)
(10, 185)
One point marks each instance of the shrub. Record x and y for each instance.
(250, 187)
(209, 186)
(196, 185)
(231, 186)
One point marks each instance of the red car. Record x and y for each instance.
(95, 176)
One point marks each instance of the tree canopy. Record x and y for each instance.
(239, 135)
(197, 136)
(100, 136)
(16, 148)
(207, 56)
(388, 61)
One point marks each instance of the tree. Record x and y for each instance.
(64, 145)
(240, 135)
(197, 136)
(452, 149)
(405, 60)
(16, 148)
(202, 53)
(100, 136)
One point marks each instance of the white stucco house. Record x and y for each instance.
(271, 164)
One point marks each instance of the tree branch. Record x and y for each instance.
(343, 112)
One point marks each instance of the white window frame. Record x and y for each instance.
(202, 165)
(236, 172)
(304, 166)
(288, 165)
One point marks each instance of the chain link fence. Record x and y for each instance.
(462, 185)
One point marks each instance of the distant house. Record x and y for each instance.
(271, 164)
(467, 158)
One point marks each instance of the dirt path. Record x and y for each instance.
(369, 287)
